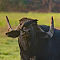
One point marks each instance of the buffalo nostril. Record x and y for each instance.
(20, 23)
(6, 33)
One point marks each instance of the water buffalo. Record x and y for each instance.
(37, 42)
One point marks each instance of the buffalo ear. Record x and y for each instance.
(13, 33)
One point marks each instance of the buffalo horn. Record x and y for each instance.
(8, 24)
(51, 30)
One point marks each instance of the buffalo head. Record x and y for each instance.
(25, 24)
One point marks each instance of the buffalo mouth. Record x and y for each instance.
(13, 33)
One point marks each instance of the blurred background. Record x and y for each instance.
(17, 9)
(30, 5)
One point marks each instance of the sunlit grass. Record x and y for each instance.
(9, 49)
(44, 18)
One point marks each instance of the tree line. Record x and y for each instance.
(25, 5)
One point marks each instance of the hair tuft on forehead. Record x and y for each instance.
(25, 19)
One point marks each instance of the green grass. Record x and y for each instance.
(44, 18)
(9, 49)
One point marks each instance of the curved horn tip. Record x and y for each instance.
(6, 16)
(51, 30)
(52, 21)
(52, 17)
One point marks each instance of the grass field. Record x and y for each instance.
(9, 49)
